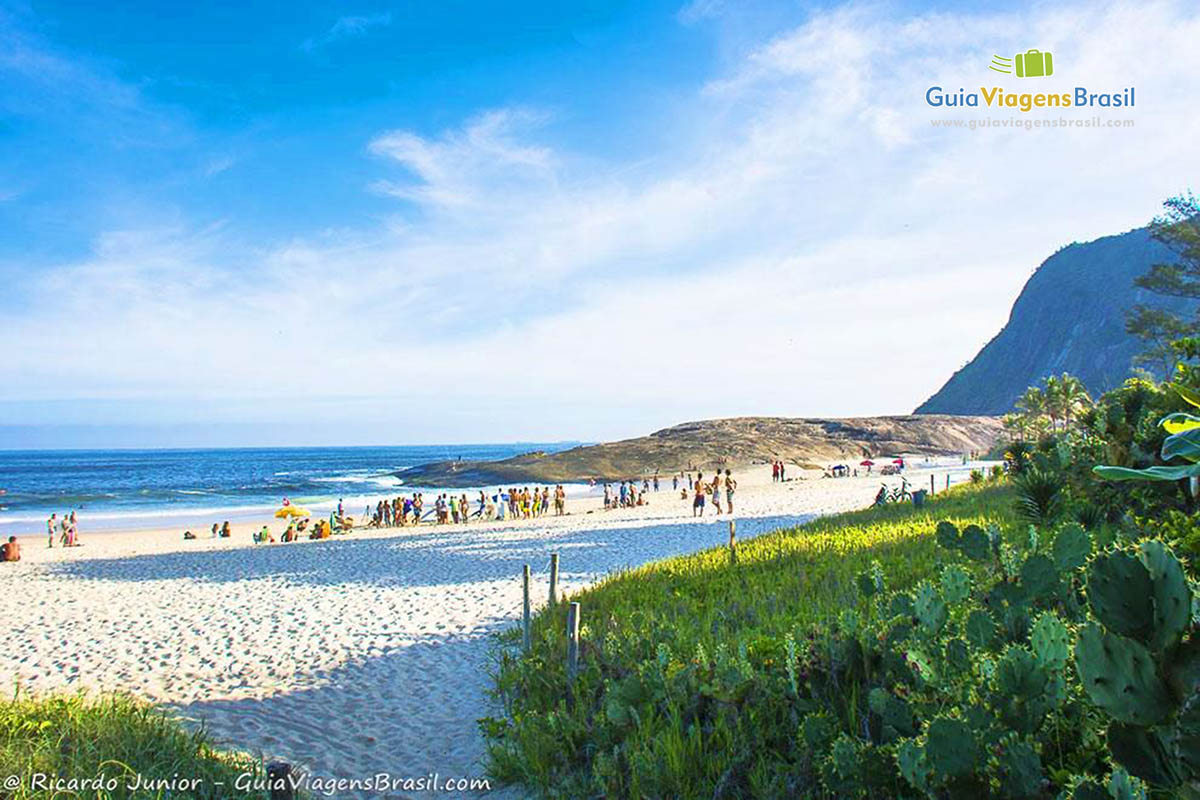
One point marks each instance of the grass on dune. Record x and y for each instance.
(58, 746)
(683, 660)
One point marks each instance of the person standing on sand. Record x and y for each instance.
(781, 472)
(675, 483)
(730, 485)
(775, 472)
(716, 491)
(698, 500)
(51, 525)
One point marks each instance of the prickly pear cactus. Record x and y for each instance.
(1119, 591)
(1145, 753)
(1039, 576)
(1018, 674)
(1051, 641)
(956, 584)
(1119, 675)
(844, 756)
(1187, 734)
(950, 749)
(974, 543)
(947, 535)
(901, 605)
(980, 629)
(1172, 595)
(910, 758)
(930, 607)
(1020, 769)
(1122, 786)
(1072, 547)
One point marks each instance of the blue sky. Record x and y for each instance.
(389, 223)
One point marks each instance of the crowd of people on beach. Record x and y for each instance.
(504, 504)
(447, 509)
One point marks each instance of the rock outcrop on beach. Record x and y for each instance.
(740, 441)
(1069, 317)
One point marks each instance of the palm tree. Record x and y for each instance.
(1032, 405)
(1073, 395)
(1054, 400)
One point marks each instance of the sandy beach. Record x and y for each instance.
(358, 655)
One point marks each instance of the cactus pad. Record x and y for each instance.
(974, 543)
(1119, 591)
(956, 584)
(929, 606)
(980, 629)
(1072, 547)
(1051, 641)
(1119, 675)
(950, 748)
(1144, 752)
(1172, 595)
(1039, 577)
(947, 535)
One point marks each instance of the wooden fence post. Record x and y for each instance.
(931, 483)
(572, 643)
(733, 541)
(553, 578)
(947, 480)
(525, 639)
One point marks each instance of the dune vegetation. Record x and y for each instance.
(113, 746)
(1029, 635)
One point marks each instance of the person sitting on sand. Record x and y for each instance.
(225, 531)
(216, 530)
(10, 550)
(188, 535)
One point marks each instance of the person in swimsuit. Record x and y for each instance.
(730, 485)
(10, 551)
(51, 526)
(698, 500)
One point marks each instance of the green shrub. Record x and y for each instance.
(115, 738)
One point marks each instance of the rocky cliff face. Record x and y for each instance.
(1069, 317)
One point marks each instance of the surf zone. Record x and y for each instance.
(996, 97)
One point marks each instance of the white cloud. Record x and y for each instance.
(348, 27)
(811, 246)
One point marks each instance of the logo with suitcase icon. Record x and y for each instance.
(1030, 64)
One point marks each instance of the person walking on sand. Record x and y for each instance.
(730, 485)
(698, 500)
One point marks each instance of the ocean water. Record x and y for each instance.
(160, 488)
